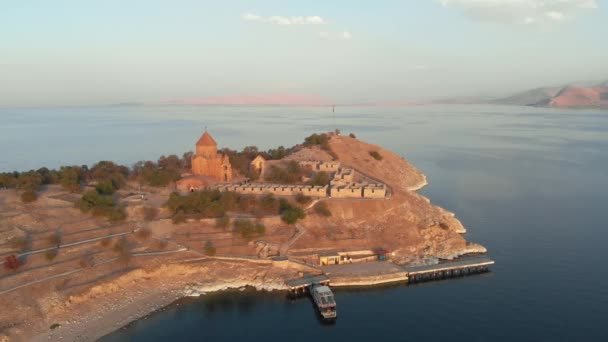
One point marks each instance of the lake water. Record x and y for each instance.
(529, 184)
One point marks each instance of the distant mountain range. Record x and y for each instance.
(576, 95)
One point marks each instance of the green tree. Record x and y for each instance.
(28, 196)
(320, 179)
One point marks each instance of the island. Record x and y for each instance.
(88, 250)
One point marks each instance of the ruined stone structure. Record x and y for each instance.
(207, 161)
(258, 164)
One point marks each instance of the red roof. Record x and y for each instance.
(206, 140)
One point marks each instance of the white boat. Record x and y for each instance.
(324, 299)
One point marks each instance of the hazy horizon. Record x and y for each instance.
(68, 53)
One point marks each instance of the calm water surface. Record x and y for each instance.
(529, 184)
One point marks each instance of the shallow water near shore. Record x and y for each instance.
(529, 184)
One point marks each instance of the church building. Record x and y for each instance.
(207, 161)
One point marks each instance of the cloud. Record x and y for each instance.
(285, 21)
(344, 35)
(525, 12)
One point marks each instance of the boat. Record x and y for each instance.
(324, 299)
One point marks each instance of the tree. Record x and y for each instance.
(247, 229)
(375, 155)
(320, 179)
(71, 177)
(209, 248)
(302, 199)
(150, 213)
(19, 243)
(12, 263)
(28, 196)
(322, 209)
(106, 242)
(107, 170)
(51, 254)
(86, 260)
(292, 215)
(55, 238)
(105, 187)
(143, 233)
(222, 222)
(123, 247)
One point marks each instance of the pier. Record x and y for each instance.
(451, 269)
(298, 287)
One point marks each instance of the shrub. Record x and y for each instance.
(162, 243)
(248, 229)
(12, 263)
(105, 242)
(54, 239)
(55, 326)
(105, 187)
(222, 222)
(86, 260)
(303, 199)
(352, 135)
(375, 155)
(290, 174)
(289, 213)
(150, 213)
(179, 217)
(19, 243)
(322, 209)
(122, 247)
(143, 233)
(51, 254)
(209, 248)
(28, 196)
(320, 179)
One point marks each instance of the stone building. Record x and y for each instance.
(207, 161)
(257, 164)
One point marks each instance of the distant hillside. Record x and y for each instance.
(569, 96)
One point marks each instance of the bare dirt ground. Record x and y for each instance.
(89, 300)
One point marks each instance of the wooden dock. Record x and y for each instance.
(299, 286)
(450, 269)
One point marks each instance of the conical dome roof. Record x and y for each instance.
(206, 140)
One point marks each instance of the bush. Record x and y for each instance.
(105, 187)
(222, 222)
(19, 243)
(123, 247)
(375, 155)
(303, 199)
(105, 242)
(150, 213)
(248, 229)
(289, 213)
(51, 254)
(100, 205)
(143, 233)
(320, 179)
(179, 217)
(12, 263)
(352, 135)
(162, 244)
(29, 196)
(322, 209)
(86, 260)
(54, 239)
(290, 174)
(209, 248)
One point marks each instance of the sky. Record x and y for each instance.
(84, 52)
